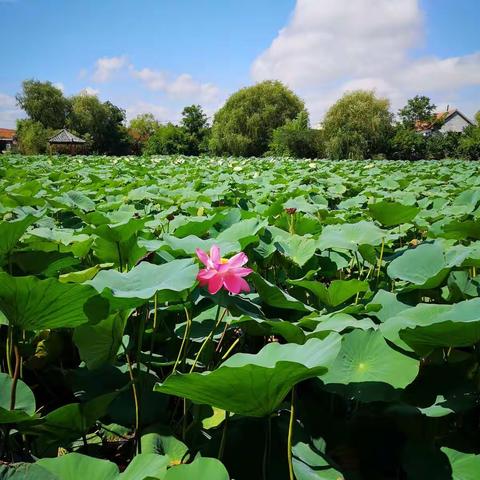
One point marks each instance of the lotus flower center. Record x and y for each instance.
(223, 261)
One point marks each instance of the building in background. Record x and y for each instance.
(450, 121)
(7, 139)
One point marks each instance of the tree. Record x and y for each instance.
(442, 145)
(245, 124)
(477, 118)
(357, 126)
(32, 137)
(141, 128)
(469, 145)
(169, 139)
(407, 144)
(103, 123)
(297, 139)
(418, 109)
(43, 103)
(195, 124)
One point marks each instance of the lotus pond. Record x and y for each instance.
(138, 342)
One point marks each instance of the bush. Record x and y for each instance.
(167, 140)
(469, 145)
(442, 145)
(407, 144)
(245, 124)
(297, 139)
(32, 137)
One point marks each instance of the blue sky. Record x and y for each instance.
(159, 55)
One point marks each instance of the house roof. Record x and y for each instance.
(440, 117)
(7, 134)
(64, 136)
(444, 116)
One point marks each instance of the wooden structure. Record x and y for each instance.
(66, 142)
(7, 139)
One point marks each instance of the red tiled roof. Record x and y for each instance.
(440, 117)
(7, 133)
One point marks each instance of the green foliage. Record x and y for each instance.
(101, 123)
(244, 125)
(195, 123)
(418, 109)
(32, 137)
(296, 139)
(140, 129)
(168, 139)
(469, 145)
(357, 126)
(407, 144)
(44, 103)
(443, 145)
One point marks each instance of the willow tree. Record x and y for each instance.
(244, 125)
(358, 126)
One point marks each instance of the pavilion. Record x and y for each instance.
(66, 142)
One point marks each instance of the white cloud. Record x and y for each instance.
(6, 101)
(330, 47)
(9, 112)
(106, 67)
(161, 113)
(89, 91)
(182, 87)
(154, 80)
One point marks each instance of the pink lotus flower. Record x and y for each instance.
(220, 272)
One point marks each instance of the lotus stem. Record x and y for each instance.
(135, 400)
(8, 350)
(232, 346)
(382, 248)
(186, 333)
(290, 435)
(154, 329)
(16, 374)
(223, 441)
(120, 261)
(210, 335)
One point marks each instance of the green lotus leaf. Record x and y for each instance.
(366, 357)
(350, 236)
(24, 401)
(34, 304)
(75, 466)
(465, 466)
(146, 465)
(428, 326)
(424, 266)
(207, 468)
(11, 232)
(190, 243)
(145, 280)
(390, 214)
(338, 292)
(275, 297)
(98, 344)
(24, 471)
(255, 385)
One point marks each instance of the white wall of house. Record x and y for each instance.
(456, 123)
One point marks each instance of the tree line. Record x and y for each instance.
(264, 119)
